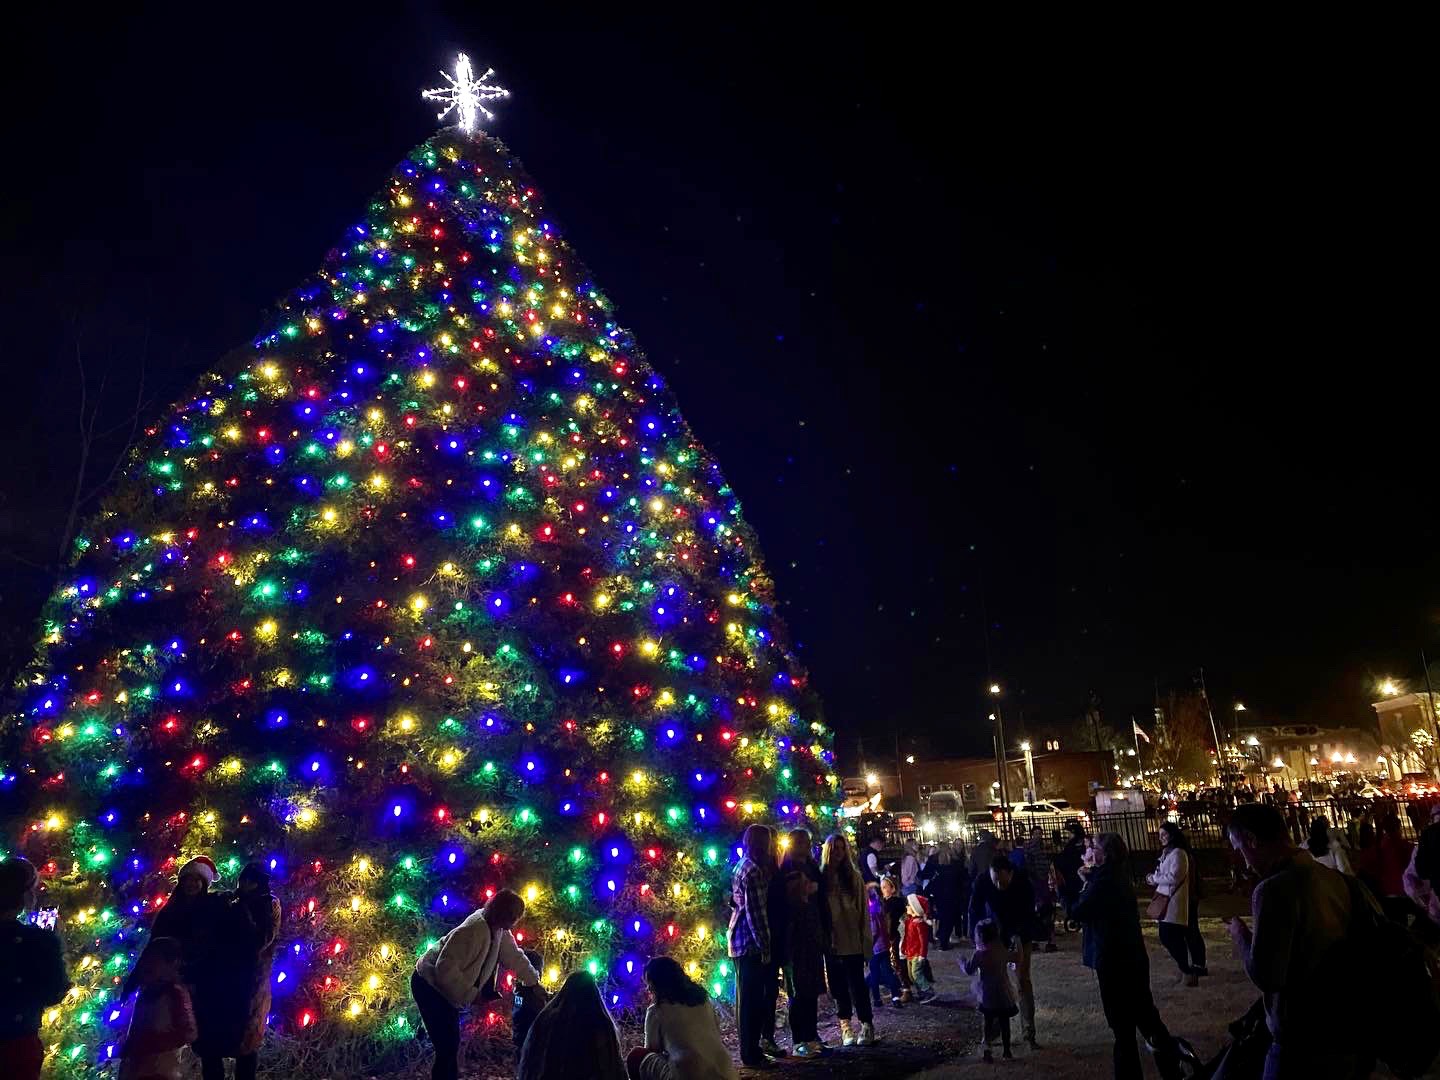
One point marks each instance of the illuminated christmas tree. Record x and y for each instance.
(433, 592)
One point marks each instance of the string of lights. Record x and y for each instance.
(434, 593)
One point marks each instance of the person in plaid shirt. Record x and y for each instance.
(750, 942)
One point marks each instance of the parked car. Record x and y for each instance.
(1049, 814)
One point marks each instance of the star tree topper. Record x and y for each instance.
(465, 94)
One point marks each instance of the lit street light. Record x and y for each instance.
(1388, 688)
(871, 779)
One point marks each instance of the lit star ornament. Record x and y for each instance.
(465, 94)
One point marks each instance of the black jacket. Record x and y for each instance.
(1012, 908)
(1112, 941)
(947, 887)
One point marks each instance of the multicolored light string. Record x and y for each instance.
(436, 594)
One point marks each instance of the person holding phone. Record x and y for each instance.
(34, 955)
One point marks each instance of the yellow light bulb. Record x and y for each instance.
(355, 903)
(419, 603)
(373, 982)
(531, 894)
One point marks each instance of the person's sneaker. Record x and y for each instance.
(802, 1050)
(817, 1047)
(847, 1033)
(897, 1002)
(770, 1049)
(987, 1057)
(867, 1035)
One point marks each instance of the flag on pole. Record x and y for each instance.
(1139, 733)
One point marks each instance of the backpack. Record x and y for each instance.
(1405, 1021)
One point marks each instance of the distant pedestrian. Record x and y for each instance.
(34, 972)
(1040, 865)
(871, 867)
(1068, 861)
(948, 890)
(1324, 846)
(994, 991)
(1114, 948)
(1175, 878)
(844, 895)
(1382, 867)
(1302, 914)
(910, 870)
(756, 987)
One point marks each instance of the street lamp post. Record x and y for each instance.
(999, 746)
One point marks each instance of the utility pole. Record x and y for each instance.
(899, 777)
(1000, 746)
(1430, 692)
(1214, 731)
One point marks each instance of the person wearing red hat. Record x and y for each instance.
(189, 916)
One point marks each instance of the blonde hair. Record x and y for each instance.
(839, 869)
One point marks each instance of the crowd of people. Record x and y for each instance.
(818, 921)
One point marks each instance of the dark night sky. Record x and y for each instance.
(1132, 336)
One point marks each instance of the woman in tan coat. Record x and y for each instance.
(848, 948)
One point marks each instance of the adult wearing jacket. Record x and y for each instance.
(1113, 946)
(1174, 878)
(189, 916)
(946, 890)
(448, 977)
(232, 988)
(756, 988)
(1068, 861)
(33, 963)
(842, 892)
(805, 935)
(1006, 896)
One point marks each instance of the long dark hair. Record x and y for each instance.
(572, 1034)
(668, 981)
(1178, 839)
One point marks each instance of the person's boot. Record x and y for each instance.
(847, 1034)
(867, 1035)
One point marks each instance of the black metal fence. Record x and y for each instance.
(1204, 823)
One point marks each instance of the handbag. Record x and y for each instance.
(1157, 907)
